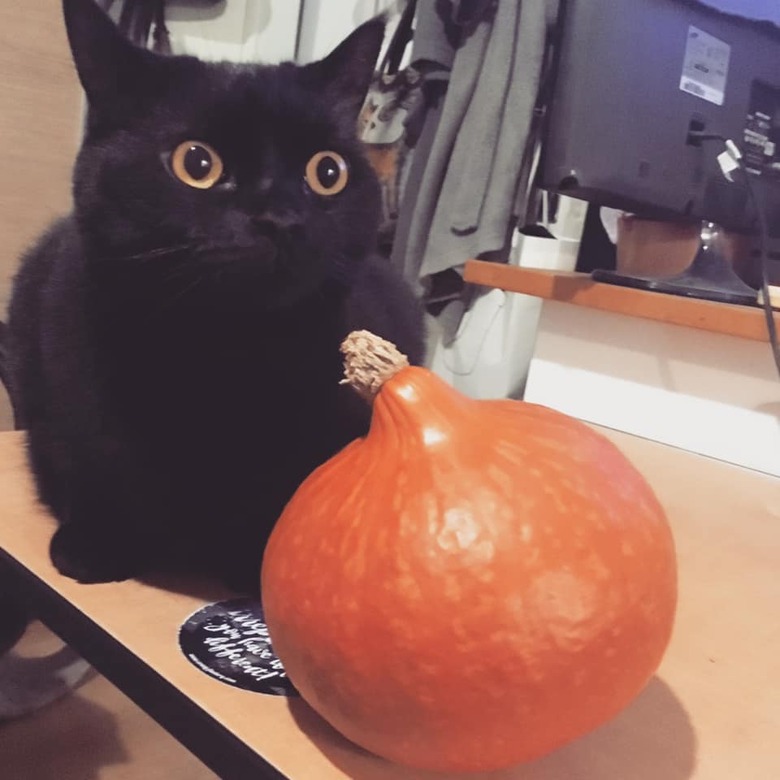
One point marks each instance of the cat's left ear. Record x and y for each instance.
(345, 74)
(108, 65)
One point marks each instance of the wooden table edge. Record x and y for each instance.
(197, 730)
(746, 322)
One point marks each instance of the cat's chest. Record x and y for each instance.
(241, 368)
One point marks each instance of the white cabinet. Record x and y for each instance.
(709, 393)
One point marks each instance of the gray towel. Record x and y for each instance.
(473, 177)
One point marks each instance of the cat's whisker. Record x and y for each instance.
(152, 254)
(170, 302)
(176, 272)
(187, 290)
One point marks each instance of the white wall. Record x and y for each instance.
(269, 31)
(236, 30)
(760, 9)
(324, 23)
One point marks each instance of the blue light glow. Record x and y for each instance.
(754, 9)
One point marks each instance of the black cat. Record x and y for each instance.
(175, 341)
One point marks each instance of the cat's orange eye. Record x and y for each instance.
(197, 164)
(327, 173)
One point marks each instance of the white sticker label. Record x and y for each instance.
(706, 66)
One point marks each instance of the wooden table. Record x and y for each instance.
(711, 713)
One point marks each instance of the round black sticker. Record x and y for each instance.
(229, 641)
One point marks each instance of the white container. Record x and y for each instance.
(484, 349)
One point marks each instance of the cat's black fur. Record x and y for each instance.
(175, 351)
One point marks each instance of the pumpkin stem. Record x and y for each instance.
(369, 361)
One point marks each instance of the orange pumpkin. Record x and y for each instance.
(474, 583)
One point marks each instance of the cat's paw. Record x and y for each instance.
(82, 554)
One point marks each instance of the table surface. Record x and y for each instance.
(747, 322)
(711, 713)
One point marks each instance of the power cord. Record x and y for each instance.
(730, 160)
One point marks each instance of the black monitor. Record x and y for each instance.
(633, 79)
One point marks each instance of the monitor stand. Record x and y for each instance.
(709, 276)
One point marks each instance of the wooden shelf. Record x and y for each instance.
(570, 287)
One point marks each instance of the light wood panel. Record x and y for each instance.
(577, 288)
(40, 109)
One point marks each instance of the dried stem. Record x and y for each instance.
(369, 361)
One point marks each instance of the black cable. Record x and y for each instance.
(145, 16)
(763, 230)
(695, 138)
(162, 36)
(137, 19)
(126, 18)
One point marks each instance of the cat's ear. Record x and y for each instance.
(345, 74)
(107, 63)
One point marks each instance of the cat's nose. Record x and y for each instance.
(263, 185)
(260, 201)
(279, 219)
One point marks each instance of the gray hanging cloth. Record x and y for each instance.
(466, 188)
